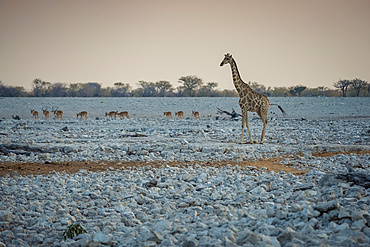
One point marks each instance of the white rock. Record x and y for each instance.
(163, 225)
(6, 216)
(103, 238)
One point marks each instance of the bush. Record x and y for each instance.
(73, 230)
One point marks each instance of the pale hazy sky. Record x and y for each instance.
(276, 43)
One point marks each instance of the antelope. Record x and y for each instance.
(35, 114)
(168, 114)
(111, 114)
(123, 114)
(46, 113)
(195, 114)
(82, 114)
(58, 113)
(179, 114)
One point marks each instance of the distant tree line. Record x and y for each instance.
(355, 87)
(344, 88)
(190, 86)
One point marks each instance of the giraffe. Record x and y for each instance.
(249, 100)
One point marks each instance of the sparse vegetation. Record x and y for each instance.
(190, 86)
(73, 230)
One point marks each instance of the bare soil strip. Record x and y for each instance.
(271, 164)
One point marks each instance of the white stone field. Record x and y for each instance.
(186, 206)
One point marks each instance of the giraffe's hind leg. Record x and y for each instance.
(263, 116)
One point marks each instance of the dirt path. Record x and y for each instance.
(25, 169)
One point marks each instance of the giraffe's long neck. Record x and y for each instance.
(238, 82)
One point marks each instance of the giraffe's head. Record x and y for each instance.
(227, 59)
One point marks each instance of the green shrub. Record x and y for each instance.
(73, 230)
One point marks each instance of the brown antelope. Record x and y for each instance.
(195, 114)
(168, 114)
(58, 113)
(179, 114)
(123, 114)
(35, 114)
(82, 114)
(46, 113)
(111, 114)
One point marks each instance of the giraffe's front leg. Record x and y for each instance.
(243, 125)
(249, 131)
(245, 122)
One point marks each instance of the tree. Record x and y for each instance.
(279, 92)
(368, 89)
(357, 85)
(105, 92)
(229, 93)
(211, 85)
(292, 92)
(343, 86)
(146, 89)
(299, 90)
(190, 84)
(208, 90)
(6, 91)
(74, 89)
(121, 90)
(322, 90)
(90, 89)
(39, 87)
(164, 88)
(58, 90)
(259, 88)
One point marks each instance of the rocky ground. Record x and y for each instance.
(191, 205)
(148, 182)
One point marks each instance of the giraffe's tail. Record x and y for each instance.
(281, 109)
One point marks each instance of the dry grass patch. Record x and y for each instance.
(34, 168)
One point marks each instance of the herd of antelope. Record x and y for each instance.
(57, 113)
(180, 114)
(113, 114)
